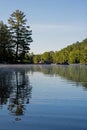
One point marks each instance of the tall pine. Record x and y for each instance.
(21, 34)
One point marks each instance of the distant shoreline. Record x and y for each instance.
(1, 64)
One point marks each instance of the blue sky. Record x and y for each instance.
(54, 23)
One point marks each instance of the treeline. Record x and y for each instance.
(75, 53)
(15, 38)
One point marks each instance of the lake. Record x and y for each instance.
(43, 97)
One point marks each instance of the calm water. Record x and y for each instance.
(35, 97)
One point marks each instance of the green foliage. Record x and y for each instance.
(75, 53)
(46, 56)
(21, 34)
(74, 56)
(15, 39)
(6, 51)
(15, 45)
(36, 59)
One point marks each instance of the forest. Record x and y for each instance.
(15, 39)
(73, 54)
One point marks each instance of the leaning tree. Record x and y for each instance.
(21, 34)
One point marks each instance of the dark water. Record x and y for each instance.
(35, 97)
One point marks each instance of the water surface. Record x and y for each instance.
(43, 97)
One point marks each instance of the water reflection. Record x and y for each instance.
(5, 87)
(74, 73)
(15, 90)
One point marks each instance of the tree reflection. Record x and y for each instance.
(5, 87)
(74, 73)
(21, 93)
(15, 90)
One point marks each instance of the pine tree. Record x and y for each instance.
(21, 34)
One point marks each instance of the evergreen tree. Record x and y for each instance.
(5, 43)
(21, 34)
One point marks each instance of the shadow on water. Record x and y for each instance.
(15, 90)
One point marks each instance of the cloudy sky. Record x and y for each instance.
(54, 23)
